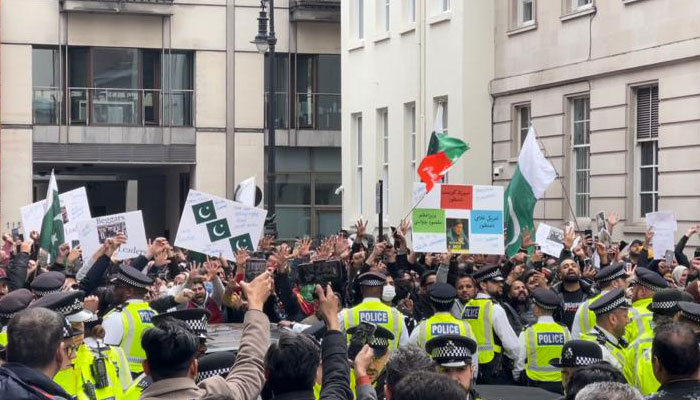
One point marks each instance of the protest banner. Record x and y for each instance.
(663, 224)
(92, 233)
(216, 226)
(74, 207)
(458, 218)
(550, 239)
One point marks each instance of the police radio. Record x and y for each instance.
(99, 370)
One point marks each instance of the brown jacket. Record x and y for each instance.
(245, 380)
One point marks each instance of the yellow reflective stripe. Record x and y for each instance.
(488, 328)
(397, 326)
(128, 336)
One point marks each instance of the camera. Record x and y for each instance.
(497, 171)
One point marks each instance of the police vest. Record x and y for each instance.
(640, 320)
(136, 319)
(378, 314)
(74, 380)
(137, 387)
(638, 369)
(442, 323)
(479, 315)
(3, 338)
(617, 351)
(544, 342)
(586, 320)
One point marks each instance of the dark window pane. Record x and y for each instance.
(582, 158)
(328, 73)
(46, 103)
(293, 222)
(115, 107)
(582, 182)
(151, 84)
(305, 74)
(325, 187)
(78, 67)
(648, 203)
(647, 179)
(292, 159)
(45, 67)
(328, 222)
(293, 189)
(177, 71)
(648, 150)
(326, 159)
(116, 68)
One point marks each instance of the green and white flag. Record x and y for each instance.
(52, 223)
(532, 177)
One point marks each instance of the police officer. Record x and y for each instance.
(638, 369)
(197, 320)
(645, 284)
(11, 304)
(380, 342)
(125, 324)
(542, 342)
(489, 322)
(607, 279)
(372, 310)
(453, 355)
(689, 314)
(612, 315)
(576, 354)
(214, 364)
(47, 283)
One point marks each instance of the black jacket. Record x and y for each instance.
(586, 286)
(19, 382)
(689, 389)
(336, 372)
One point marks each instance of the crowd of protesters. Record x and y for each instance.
(376, 320)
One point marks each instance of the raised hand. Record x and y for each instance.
(360, 228)
(569, 237)
(648, 236)
(526, 241)
(156, 246)
(692, 231)
(184, 296)
(328, 307)
(258, 291)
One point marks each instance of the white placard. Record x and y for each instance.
(663, 224)
(246, 192)
(550, 239)
(216, 226)
(93, 232)
(425, 200)
(74, 207)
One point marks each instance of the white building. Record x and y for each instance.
(402, 59)
(613, 89)
(141, 100)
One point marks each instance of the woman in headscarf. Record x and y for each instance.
(680, 276)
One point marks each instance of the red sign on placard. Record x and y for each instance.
(456, 197)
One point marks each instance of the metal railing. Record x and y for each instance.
(114, 107)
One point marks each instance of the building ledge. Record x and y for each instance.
(578, 13)
(380, 37)
(314, 11)
(141, 7)
(409, 27)
(356, 44)
(523, 28)
(113, 153)
(439, 18)
(630, 1)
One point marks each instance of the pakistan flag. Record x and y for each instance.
(52, 224)
(531, 178)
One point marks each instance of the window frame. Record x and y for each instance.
(359, 162)
(638, 142)
(574, 157)
(520, 12)
(410, 124)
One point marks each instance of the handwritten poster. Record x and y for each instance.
(216, 226)
(74, 207)
(459, 219)
(92, 234)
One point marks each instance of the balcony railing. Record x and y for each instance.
(114, 107)
(315, 111)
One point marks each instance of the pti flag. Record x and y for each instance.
(532, 177)
(52, 223)
(443, 152)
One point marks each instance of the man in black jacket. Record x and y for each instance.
(291, 365)
(573, 289)
(36, 351)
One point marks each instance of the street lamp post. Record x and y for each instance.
(265, 42)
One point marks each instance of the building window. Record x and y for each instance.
(444, 5)
(317, 81)
(647, 137)
(383, 15)
(305, 185)
(572, 6)
(522, 113)
(384, 150)
(441, 125)
(410, 10)
(281, 90)
(526, 12)
(357, 122)
(410, 121)
(581, 144)
(47, 85)
(118, 87)
(357, 19)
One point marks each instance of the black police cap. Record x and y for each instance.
(451, 350)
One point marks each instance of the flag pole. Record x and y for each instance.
(563, 188)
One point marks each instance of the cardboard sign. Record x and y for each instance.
(93, 232)
(458, 218)
(216, 226)
(74, 207)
